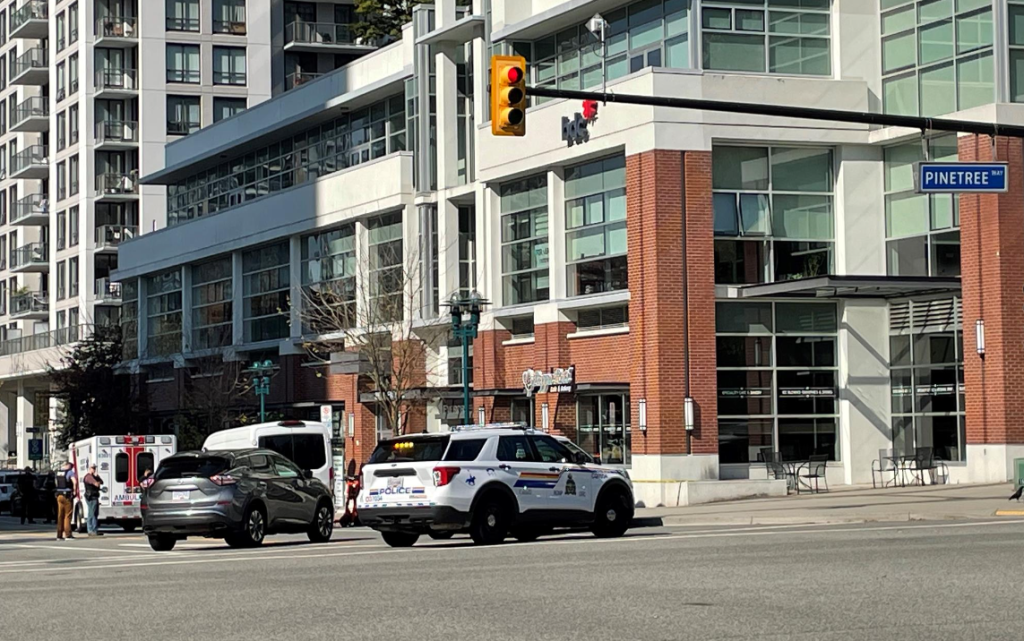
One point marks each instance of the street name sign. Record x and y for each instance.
(960, 177)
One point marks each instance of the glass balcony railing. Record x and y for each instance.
(299, 78)
(37, 107)
(29, 255)
(117, 80)
(34, 58)
(33, 156)
(116, 184)
(42, 340)
(318, 33)
(229, 77)
(30, 303)
(107, 291)
(31, 205)
(117, 27)
(110, 236)
(31, 10)
(232, 27)
(182, 128)
(117, 131)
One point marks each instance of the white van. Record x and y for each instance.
(306, 443)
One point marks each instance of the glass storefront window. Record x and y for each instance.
(937, 56)
(603, 428)
(777, 379)
(524, 240)
(773, 213)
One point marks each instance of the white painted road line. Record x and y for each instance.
(71, 546)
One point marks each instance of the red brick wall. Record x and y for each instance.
(663, 326)
(992, 266)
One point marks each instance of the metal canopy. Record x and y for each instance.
(853, 287)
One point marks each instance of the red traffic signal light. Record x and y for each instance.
(508, 95)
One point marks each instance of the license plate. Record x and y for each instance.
(395, 482)
(181, 495)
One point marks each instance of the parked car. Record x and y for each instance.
(8, 481)
(240, 496)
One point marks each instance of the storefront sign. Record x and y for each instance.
(575, 130)
(743, 392)
(935, 390)
(450, 410)
(960, 177)
(808, 392)
(557, 380)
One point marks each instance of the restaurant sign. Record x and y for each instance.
(808, 392)
(557, 380)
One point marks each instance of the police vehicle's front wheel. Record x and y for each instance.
(613, 515)
(162, 542)
(400, 539)
(490, 522)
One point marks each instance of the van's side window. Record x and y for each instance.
(310, 453)
(280, 443)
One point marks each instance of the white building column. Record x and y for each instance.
(8, 435)
(24, 414)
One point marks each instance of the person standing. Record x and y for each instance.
(49, 496)
(67, 486)
(27, 490)
(93, 483)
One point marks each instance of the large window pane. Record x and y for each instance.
(740, 262)
(975, 85)
(741, 440)
(899, 95)
(740, 168)
(797, 169)
(734, 52)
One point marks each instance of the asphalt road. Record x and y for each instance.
(929, 581)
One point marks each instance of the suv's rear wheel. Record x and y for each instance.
(322, 527)
(491, 521)
(400, 539)
(162, 542)
(613, 514)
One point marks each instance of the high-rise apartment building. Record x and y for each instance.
(91, 91)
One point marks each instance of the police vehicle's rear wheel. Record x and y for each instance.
(490, 522)
(442, 535)
(613, 515)
(400, 539)
(162, 542)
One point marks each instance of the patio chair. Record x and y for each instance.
(779, 472)
(813, 470)
(924, 460)
(881, 466)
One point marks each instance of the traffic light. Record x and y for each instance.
(508, 95)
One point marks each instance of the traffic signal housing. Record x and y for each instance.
(508, 95)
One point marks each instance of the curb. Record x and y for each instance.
(903, 517)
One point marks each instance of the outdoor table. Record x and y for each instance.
(793, 469)
(898, 467)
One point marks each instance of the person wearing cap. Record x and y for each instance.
(93, 483)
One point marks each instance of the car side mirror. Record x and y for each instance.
(580, 458)
(307, 474)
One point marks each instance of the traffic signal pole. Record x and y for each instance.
(785, 111)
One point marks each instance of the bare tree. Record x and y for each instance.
(214, 394)
(372, 322)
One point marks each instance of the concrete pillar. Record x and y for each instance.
(237, 334)
(186, 310)
(24, 415)
(8, 435)
(992, 267)
(295, 281)
(864, 404)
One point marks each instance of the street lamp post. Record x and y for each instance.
(464, 328)
(261, 383)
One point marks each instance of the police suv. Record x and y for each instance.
(490, 481)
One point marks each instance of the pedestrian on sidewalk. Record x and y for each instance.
(93, 483)
(27, 490)
(67, 487)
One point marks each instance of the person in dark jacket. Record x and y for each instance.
(27, 491)
(49, 496)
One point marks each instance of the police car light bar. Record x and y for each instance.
(491, 426)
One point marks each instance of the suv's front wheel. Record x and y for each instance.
(491, 521)
(613, 515)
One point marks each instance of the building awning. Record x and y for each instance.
(853, 287)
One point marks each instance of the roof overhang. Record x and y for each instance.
(853, 287)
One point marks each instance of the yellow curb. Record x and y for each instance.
(1009, 512)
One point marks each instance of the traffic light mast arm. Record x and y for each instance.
(785, 111)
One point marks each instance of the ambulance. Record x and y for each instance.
(120, 462)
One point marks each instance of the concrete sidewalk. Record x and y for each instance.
(848, 505)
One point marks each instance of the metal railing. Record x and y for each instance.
(31, 10)
(187, 76)
(107, 290)
(115, 184)
(34, 58)
(232, 27)
(125, 79)
(117, 27)
(30, 303)
(117, 131)
(182, 128)
(36, 107)
(31, 205)
(325, 33)
(35, 155)
(42, 340)
(182, 24)
(113, 235)
(228, 77)
(299, 78)
(30, 254)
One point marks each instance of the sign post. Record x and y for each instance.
(961, 177)
(327, 415)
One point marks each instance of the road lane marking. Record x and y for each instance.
(71, 547)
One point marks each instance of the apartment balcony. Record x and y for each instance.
(115, 187)
(31, 258)
(31, 115)
(117, 31)
(107, 292)
(30, 20)
(108, 237)
(299, 78)
(31, 163)
(113, 135)
(116, 83)
(31, 68)
(322, 37)
(30, 305)
(42, 340)
(33, 209)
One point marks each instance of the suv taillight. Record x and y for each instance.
(223, 479)
(444, 475)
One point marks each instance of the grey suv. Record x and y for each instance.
(240, 496)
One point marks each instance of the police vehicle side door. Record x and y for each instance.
(572, 490)
(518, 468)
